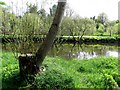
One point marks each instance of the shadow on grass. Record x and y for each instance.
(13, 82)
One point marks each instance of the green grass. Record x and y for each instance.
(66, 37)
(85, 73)
(101, 72)
(88, 38)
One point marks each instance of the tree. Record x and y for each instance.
(30, 64)
(2, 3)
(77, 26)
(7, 25)
(69, 11)
(100, 30)
(32, 9)
(102, 18)
(42, 12)
(67, 27)
(53, 10)
(112, 28)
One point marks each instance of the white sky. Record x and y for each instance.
(85, 8)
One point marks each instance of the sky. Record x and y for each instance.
(84, 8)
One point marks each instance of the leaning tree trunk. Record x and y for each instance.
(45, 47)
(30, 65)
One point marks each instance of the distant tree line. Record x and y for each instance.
(38, 22)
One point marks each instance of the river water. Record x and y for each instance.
(69, 51)
(84, 51)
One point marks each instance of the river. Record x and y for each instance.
(68, 51)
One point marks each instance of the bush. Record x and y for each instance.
(54, 80)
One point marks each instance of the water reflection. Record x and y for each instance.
(112, 53)
(86, 55)
(69, 51)
(84, 51)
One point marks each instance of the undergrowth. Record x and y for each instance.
(101, 72)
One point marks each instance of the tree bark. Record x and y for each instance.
(27, 65)
(30, 65)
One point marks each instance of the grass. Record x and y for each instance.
(101, 72)
(85, 73)
(102, 39)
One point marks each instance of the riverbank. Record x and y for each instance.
(67, 39)
(101, 72)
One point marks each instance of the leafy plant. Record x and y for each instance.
(54, 80)
(109, 81)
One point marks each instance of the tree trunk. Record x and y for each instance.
(45, 47)
(30, 64)
(27, 65)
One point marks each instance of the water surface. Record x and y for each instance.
(84, 51)
(68, 51)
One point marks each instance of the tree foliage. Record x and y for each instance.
(2, 3)
(77, 26)
(102, 18)
(53, 10)
(38, 21)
